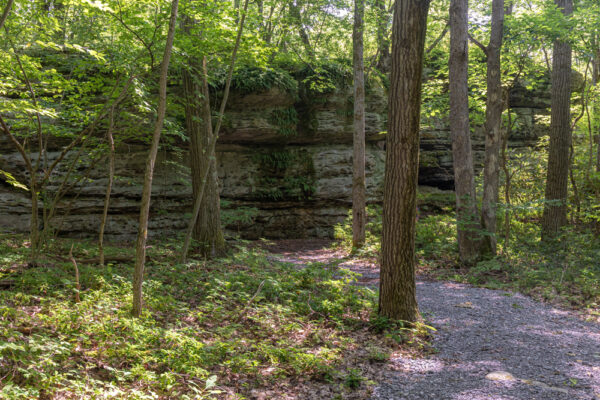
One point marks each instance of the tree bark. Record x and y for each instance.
(596, 102)
(140, 248)
(555, 208)
(397, 297)
(5, 13)
(111, 175)
(207, 230)
(214, 135)
(359, 214)
(493, 122)
(383, 41)
(464, 176)
(295, 6)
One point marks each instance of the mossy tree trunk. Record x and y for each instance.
(397, 295)
(555, 208)
(359, 214)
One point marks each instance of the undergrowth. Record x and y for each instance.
(564, 271)
(218, 329)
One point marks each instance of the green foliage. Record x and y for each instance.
(286, 120)
(378, 354)
(248, 80)
(236, 216)
(372, 245)
(326, 76)
(285, 175)
(562, 271)
(435, 232)
(206, 326)
(11, 180)
(353, 378)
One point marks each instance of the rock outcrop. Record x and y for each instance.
(285, 168)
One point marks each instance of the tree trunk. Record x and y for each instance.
(507, 177)
(397, 297)
(35, 235)
(295, 6)
(359, 214)
(207, 230)
(140, 248)
(464, 180)
(493, 122)
(5, 12)
(261, 17)
(555, 208)
(383, 41)
(111, 175)
(596, 102)
(214, 135)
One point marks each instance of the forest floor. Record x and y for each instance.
(286, 320)
(489, 344)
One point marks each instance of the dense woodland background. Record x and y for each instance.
(456, 140)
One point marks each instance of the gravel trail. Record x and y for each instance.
(490, 344)
(537, 352)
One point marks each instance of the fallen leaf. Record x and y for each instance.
(466, 304)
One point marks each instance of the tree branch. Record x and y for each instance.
(439, 38)
(6, 12)
(478, 44)
(90, 128)
(18, 145)
(148, 47)
(33, 100)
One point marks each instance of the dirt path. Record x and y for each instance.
(491, 344)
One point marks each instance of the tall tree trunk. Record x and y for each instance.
(295, 7)
(140, 248)
(464, 176)
(383, 41)
(507, 177)
(111, 175)
(212, 135)
(34, 227)
(236, 7)
(397, 297)
(359, 214)
(596, 102)
(207, 230)
(555, 208)
(493, 122)
(261, 17)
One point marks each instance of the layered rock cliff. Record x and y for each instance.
(285, 168)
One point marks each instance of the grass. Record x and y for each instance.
(222, 329)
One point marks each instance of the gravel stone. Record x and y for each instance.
(550, 353)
